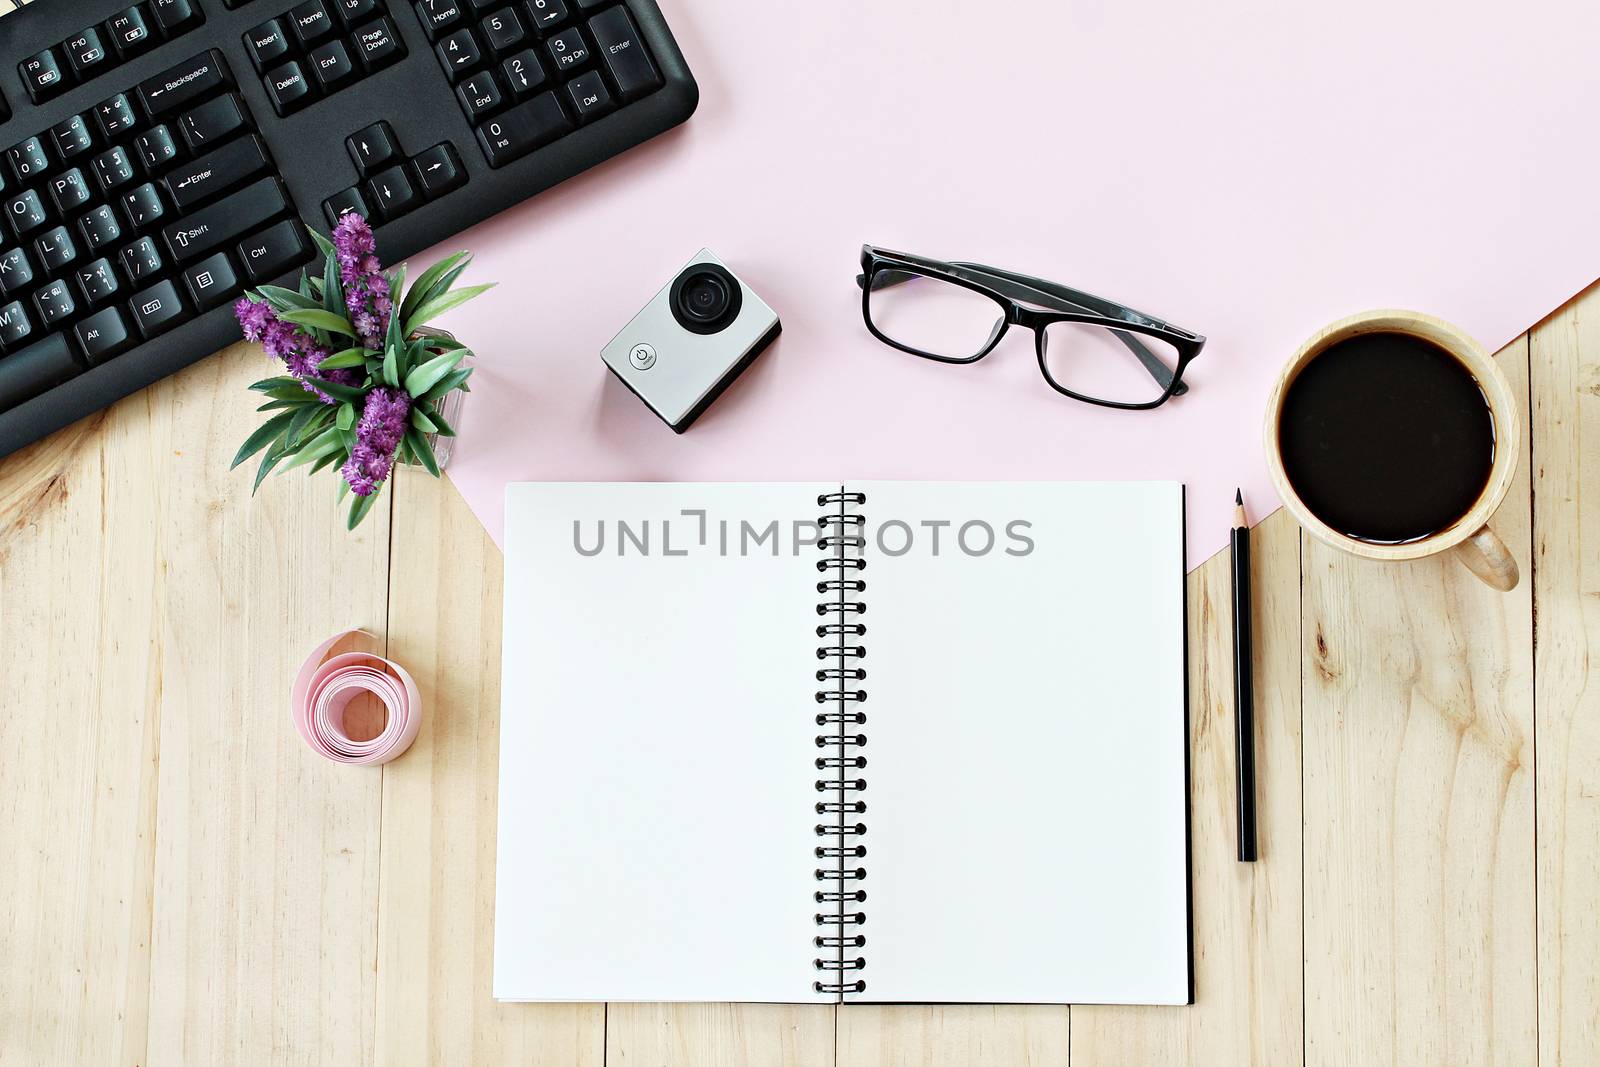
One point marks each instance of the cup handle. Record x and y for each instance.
(1485, 555)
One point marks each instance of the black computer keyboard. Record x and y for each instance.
(160, 157)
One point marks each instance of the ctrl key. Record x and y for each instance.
(272, 252)
(158, 308)
(102, 335)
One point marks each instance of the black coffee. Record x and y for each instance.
(1387, 437)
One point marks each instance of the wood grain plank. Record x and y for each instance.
(80, 622)
(1247, 933)
(436, 908)
(1418, 750)
(719, 1035)
(953, 1035)
(266, 859)
(1565, 389)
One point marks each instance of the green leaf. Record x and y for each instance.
(442, 428)
(394, 340)
(424, 288)
(424, 452)
(423, 378)
(282, 299)
(360, 506)
(336, 456)
(391, 365)
(344, 490)
(397, 281)
(422, 422)
(318, 319)
(265, 433)
(332, 291)
(346, 417)
(344, 360)
(325, 443)
(324, 245)
(311, 417)
(266, 384)
(454, 380)
(339, 392)
(278, 405)
(292, 393)
(442, 303)
(268, 461)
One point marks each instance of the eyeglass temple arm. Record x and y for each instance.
(1046, 294)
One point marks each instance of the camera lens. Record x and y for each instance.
(706, 298)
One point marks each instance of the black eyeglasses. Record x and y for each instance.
(1090, 348)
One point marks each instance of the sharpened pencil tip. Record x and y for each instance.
(1238, 497)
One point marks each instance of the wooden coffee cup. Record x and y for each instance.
(1469, 537)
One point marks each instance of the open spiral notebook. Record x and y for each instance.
(861, 741)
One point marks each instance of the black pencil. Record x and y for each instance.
(1243, 689)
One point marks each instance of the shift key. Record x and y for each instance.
(181, 85)
(226, 220)
(216, 171)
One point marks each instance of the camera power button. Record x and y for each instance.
(642, 356)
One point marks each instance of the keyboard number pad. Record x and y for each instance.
(527, 73)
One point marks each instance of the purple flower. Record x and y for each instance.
(366, 289)
(297, 349)
(378, 434)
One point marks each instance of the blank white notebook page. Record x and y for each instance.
(657, 738)
(1026, 776)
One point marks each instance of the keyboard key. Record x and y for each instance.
(158, 308)
(36, 369)
(459, 53)
(156, 148)
(377, 45)
(523, 73)
(26, 213)
(624, 53)
(114, 117)
(113, 169)
(97, 281)
(503, 31)
(546, 15)
(354, 12)
(176, 16)
(568, 49)
(15, 271)
(216, 172)
(479, 95)
(71, 137)
(100, 228)
(271, 252)
(331, 65)
(185, 83)
(310, 22)
(130, 33)
(391, 192)
(102, 335)
(212, 282)
(142, 207)
(373, 147)
(85, 52)
(214, 120)
(224, 221)
(288, 88)
(28, 160)
(344, 201)
(141, 260)
(55, 250)
(439, 171)
(14, 325)
(590, 97)
(54, 303)
(438, 17)
(513, 134)
(267, 44)
(69, 191)
(590, 5)
(42, 75)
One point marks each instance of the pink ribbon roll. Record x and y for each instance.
(325, 687)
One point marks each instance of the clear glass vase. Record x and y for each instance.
(451, 406)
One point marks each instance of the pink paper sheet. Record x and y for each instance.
(1247, 170)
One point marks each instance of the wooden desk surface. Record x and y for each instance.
(185, 883)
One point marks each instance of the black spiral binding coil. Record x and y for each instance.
(842, 539)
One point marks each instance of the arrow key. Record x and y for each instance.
(439, 171)
(390, 191)
(373, 148)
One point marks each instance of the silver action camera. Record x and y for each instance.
(692, 340)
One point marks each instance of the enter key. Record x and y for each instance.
(217, 172)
